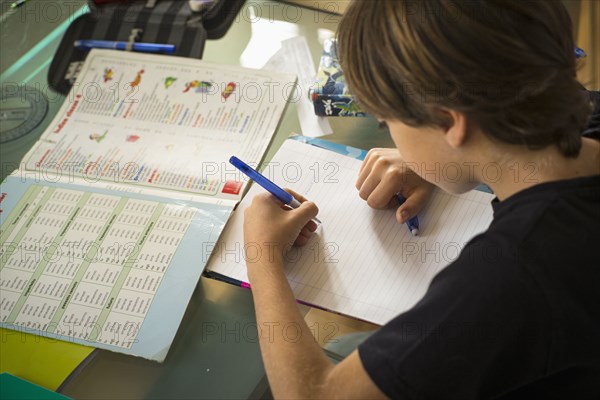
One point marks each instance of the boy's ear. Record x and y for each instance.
(457, 131)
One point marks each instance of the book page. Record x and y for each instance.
(89, 265)
(122, 188)
(360, 262)
(163, 122)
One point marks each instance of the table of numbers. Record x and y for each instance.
(86, 265)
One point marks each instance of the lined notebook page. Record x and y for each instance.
(360, 262)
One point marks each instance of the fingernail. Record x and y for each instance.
(404, 215)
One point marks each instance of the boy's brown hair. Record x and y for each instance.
(509, 65)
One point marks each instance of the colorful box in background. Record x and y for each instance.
(330, 94)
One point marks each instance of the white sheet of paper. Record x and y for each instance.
(360, 262)
(294, 58)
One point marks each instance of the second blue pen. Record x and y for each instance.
(413, 223)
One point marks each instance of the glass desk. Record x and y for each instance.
(215, 353)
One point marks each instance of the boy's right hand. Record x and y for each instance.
(383, 174)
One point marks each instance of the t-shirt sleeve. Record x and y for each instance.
(478, 330)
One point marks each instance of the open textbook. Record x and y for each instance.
(360, 262)
(101, 225)
(162, 122)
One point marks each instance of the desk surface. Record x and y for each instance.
(215, 352)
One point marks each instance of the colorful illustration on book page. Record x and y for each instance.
(228, 91)
(169, 81)
(97, 137)
(198, 86)
(108, 74)
(136, 82)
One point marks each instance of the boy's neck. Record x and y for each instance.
(515, 170)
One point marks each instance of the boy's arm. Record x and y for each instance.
(296, 366)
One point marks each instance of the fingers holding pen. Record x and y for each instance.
(414, 203)
(307, 211)
(384, 174)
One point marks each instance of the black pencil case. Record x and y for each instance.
(145, 21)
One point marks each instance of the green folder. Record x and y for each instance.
(13, 388)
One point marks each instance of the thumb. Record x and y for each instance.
(307, 211)
(411, 206)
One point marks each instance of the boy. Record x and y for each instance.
(477, 84)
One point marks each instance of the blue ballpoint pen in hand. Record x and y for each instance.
(272, 188)
(413, 223)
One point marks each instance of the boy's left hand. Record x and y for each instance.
(383, 174)
(273, 227)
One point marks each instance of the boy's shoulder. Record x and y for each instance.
(541, 231)
(516, 300)
(539, 249)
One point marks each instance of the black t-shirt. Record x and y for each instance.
(517, 315)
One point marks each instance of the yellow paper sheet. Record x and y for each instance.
(43, 361)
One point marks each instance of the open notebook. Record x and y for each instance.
(360, 262)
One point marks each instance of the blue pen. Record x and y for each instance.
(413, 223)
(132, 46)
(272, 188)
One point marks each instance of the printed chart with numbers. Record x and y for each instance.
(98, 268)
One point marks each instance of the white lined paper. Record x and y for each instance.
(360, 262)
